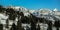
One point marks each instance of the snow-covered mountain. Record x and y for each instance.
(42, 11)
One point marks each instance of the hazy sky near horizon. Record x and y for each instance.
(33, 4)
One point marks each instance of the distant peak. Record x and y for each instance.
(55, 9)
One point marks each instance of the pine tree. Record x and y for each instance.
(19, 27)
(38, 27)
(7, 23)
(2, 8)
(33, 25)
(14, 27)
(1, 26)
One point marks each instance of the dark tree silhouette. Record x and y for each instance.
(25, 19)
(2, 8)
(7, 23)
(33, 25)
(19, 23)
(12, 14)
(19, 27)
(38, 27)
(14, 27)
(57, 25)
(1, 26)
(49, 25)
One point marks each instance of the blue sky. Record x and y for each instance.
(33, 4)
